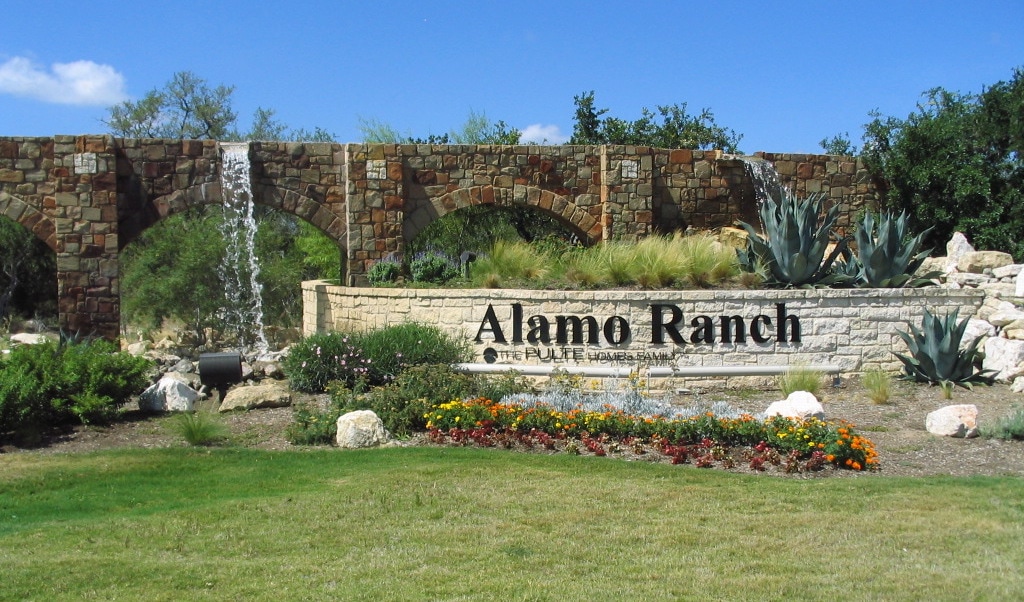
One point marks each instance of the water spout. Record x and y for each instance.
(240, 271)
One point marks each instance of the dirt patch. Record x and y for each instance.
(897, 428)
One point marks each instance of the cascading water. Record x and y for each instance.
(240, 270)
(766, 180)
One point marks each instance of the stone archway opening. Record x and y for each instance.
(28, 278)
(172, 284)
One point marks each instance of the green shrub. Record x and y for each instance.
(384, 272)
(391, 350)
(1008, 428)
(433, 267)
(49, 384)
(319, 359)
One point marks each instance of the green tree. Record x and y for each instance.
(839, 144)
(28, 272)
(171, 272)
(670, 127)
(956, 164)
(477, 129)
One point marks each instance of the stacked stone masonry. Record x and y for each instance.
(89, 196)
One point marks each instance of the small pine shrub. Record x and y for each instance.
(50, 384)
(798, 378)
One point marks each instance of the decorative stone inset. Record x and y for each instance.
(86, 163)
(630, 169)
(376, 169)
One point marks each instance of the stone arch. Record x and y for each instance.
(32, 219)
(565, 210)
(288, 201)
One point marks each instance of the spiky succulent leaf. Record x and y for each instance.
(887, 253)
(935, 355)
(796, 238)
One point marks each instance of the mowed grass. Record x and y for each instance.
(471, 524)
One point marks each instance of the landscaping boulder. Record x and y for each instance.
(799, 404)
(360, 429)
(169, 394)
(266, 395)
(954, 421)
(28, 338)
(1004, 357)
(956, 248)
(979, 261)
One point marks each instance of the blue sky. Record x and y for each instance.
(783, 74)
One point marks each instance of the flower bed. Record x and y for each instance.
(706, 440)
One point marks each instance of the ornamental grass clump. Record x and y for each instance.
(200, 428)
(878, 384)
(799, 378)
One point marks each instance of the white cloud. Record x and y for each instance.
(543, 134)
(76, 83)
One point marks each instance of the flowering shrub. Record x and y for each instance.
(385, 271)
(434, 267)
(706, 438)
(319, 359)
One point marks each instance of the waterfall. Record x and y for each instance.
(766, 180)
(240, 272)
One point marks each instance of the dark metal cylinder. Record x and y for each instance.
(217, 369)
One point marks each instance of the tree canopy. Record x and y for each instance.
(670, 127)
(956, 164)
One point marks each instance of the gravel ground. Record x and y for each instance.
(896, 428)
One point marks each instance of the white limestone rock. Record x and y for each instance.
(954, 421)
(1004, 357)
(799, 404)
(1019, 285)
(168, 395)
(956, 248)
(360, 429)
(1004, 317)
(28, 338)
(975, 330)
(979, 261)
(272, 394)
(1018, 385)
(1008, 271)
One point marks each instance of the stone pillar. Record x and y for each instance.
(85, 218)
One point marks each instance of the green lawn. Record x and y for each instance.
(471, 524)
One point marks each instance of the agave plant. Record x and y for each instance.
(935, 353)
(796, 238)
(887, 255)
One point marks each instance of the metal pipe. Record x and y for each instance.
(652, 372)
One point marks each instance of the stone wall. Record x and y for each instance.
(89, 196)
(854, 329)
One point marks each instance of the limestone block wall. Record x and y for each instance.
(852, 329)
